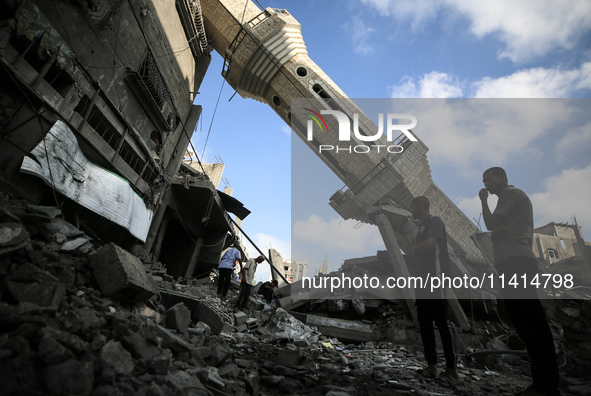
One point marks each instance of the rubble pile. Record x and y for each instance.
(72, 323)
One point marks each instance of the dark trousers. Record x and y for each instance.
(429, 311)
(268, 294)
(224, 280)
(529, 319)
(244, 293)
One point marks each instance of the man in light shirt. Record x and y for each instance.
(246, 279)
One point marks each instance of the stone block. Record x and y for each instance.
(211, 375)
(239, 318)
(116, 360)
(140, 347)
(178, 317)
(121, 275)
(230, 370)
(220, 353)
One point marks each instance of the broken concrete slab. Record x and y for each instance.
(201, 310)
(171, 340)
(340, 328)
(121, 275)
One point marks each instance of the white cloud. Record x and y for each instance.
(432, 85)
(286, 130)
(565, 195)
(527, 83)
(575, 140)
(472, 134)
(345, 235)
(266, 242)
(528, 28)
(535, 83)
(361, 36)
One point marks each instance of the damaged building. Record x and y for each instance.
(96, 121)
(101, 110)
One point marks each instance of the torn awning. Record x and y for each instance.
(59, 161)
(233, 205)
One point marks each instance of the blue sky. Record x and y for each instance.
(413, 49)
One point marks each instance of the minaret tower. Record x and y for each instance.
(266, 60)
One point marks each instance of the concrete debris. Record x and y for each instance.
(13, 236)
(178, 317)
(64, 332)
(120, 274)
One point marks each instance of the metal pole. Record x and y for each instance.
(261, 253)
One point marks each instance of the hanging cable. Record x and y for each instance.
(213, 117)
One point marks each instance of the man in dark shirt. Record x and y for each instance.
(512, 234)
(268, 290)
(433, 261)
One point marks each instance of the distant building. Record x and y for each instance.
(213, 171)
(294, 270)
(563, 250)
(554, 242)
(323, 268)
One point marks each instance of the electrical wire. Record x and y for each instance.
(212, 118)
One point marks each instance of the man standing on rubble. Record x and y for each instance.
(512, 234)
(229, 260)
(246, 279)
(433, 259)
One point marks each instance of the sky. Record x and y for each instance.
(424, 49)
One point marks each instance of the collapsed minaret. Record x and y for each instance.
(266, 60)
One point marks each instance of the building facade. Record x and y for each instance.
(554, 242)
(96, 113)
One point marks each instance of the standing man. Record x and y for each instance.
(231, 258)
(512, 235)
(246, 279)
(433, 260)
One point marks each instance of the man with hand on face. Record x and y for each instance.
(433, 261)
(512, 228)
